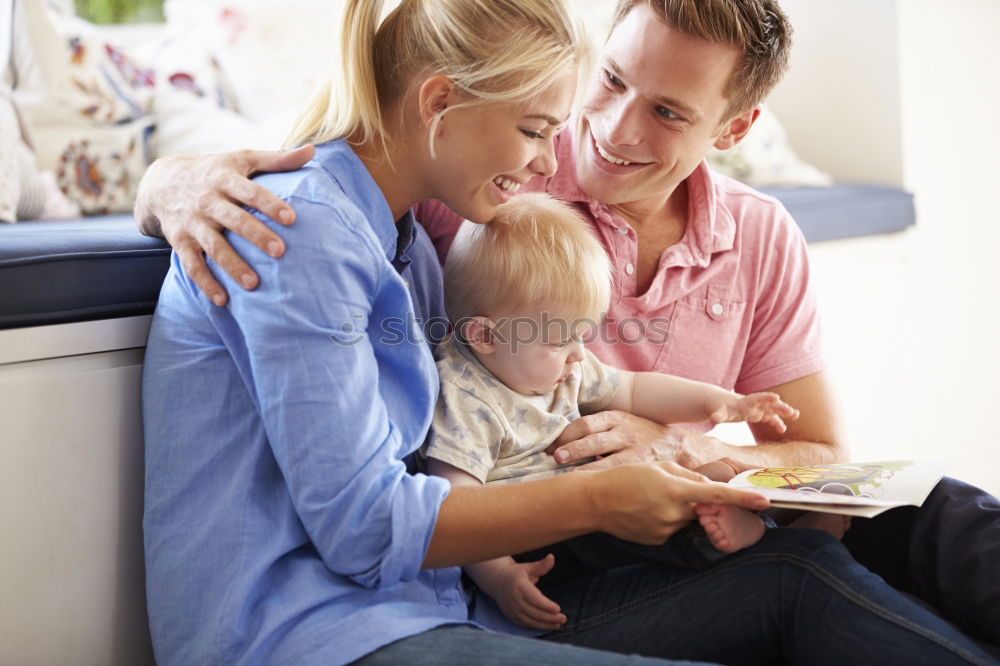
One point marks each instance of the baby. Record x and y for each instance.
(522, 292)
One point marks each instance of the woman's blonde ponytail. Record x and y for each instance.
(348, 102)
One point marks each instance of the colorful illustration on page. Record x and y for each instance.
(857, 480)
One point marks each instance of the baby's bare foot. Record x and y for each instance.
(832, 523)
(728, 527)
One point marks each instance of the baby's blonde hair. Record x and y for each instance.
(492, 50)
(536, 253)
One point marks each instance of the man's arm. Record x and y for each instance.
(621, 438)
(191, 199)
(817, 437)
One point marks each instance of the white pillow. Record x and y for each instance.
(10, 178)
(765, 157)
(26, 193)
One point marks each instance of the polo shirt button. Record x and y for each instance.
(630, 269)
(717, 309)
(623, 230)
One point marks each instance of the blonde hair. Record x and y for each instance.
(492, 50)
(758, 28)
(537, 251)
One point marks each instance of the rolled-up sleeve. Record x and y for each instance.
(340, 408)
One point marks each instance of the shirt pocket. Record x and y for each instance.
(447, 582)
(708, 337)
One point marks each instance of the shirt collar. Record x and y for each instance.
(563, 184)
(339, 160)
(711, 227)
(404, 241)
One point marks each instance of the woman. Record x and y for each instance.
(281, 524)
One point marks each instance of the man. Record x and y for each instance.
(711, 278)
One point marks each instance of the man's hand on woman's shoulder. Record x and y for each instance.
(191, 199)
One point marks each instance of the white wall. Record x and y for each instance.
(843, 79)
(906, 92)
(951, 98)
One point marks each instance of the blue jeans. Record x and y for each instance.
(797, 596)
(593, 553)
(462, 646)
(947, 552)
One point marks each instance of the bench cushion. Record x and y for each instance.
(846, 210)
(74, 270)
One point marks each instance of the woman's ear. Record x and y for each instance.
(433, 98)
(478, 334)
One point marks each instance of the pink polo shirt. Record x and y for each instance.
(731, 303)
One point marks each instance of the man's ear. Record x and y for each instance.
(433, 98)
(736, 129)
(478, 334)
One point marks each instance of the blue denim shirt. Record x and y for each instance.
(281, 524)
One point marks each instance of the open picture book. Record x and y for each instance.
(853, 489)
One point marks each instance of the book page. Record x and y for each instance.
(856, 489)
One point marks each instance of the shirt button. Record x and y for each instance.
(623, 230)
(630, 269)
(717, 309)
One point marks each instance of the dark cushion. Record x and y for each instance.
(845, 210)
(101, 267)
(73, 270)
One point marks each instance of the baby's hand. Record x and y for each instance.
(524, 603)
(756, 408)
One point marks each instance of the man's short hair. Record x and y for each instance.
(757, 27)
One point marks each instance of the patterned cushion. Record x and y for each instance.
(235, 73)
(89, 106)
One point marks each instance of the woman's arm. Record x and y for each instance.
(511, 584)
(644, 503)
(191, 199)
(338, 420)
(481, 572)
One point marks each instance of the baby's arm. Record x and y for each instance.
(510, 583)
(669, 399)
